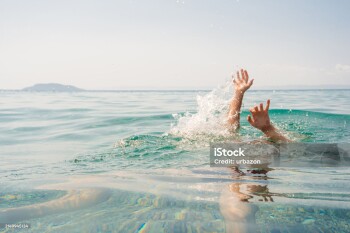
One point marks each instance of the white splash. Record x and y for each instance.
(210, 118)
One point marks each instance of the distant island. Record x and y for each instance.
(55, 87)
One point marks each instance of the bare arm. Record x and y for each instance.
(260, 119)
(241, 84)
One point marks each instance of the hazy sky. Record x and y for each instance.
(169, 44)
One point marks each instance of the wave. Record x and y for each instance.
(193, 131)
(301, 125)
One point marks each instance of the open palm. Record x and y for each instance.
(241, 82)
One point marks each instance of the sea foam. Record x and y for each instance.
(210, 117)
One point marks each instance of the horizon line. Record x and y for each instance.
(183, 90)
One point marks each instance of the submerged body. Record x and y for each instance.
(240, 216)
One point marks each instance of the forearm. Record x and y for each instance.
(274, 135)
(235, 109)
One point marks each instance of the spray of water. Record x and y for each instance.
(210, 118)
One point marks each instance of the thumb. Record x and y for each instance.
(250, 83)
(250, 120)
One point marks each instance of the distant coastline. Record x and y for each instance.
(57, 87)
(52, 87)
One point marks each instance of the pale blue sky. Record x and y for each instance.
(169, 44)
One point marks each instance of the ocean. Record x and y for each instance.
(138, 161)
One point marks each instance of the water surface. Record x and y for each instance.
(138, 161)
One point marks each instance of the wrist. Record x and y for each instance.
(268, 129)
(238, 94)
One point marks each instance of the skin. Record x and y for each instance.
(234, 205)
(259, 115)
(260, 119)
(241, 84)
(240, 216)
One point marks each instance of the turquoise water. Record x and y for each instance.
(138, 161)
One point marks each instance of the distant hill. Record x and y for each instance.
(52, 87)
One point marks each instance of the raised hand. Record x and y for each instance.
(260, 117)
(242, 83)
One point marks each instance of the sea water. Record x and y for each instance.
(138, 161)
